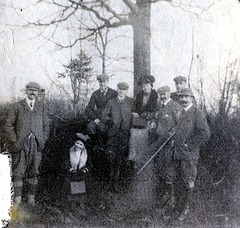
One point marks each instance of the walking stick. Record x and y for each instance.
(154, 155)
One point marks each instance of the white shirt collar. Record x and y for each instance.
(188, 107)
(30, 101)
(121, 98)
(104, 90)
(166, 102)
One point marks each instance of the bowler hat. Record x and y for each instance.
(103, 77)
(123, 85)
(33, 85)
(186, 92)
(163, 89)
(180, 79)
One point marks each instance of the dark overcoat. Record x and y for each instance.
(151, 105)
(119, 114)
(98, 102)
(167, 117)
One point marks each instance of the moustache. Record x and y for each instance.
(183, 102)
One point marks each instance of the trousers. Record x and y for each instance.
(25, 164)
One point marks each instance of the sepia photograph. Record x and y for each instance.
(119, 113)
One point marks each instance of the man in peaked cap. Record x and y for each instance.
(118, 111)
(96, 105)
(191, 132)
(27, 128)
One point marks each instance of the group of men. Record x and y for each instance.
(110, 117)
(176, 114)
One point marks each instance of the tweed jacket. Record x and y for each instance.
(167, 117)
(98, 102)
(151, 105)
(119, 113)
(192, 131)
(22, 121)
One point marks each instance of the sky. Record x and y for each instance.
(201, 39)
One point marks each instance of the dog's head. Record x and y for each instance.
(79, 145)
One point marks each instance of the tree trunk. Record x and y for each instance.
(141, 39)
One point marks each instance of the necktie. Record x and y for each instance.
(31, 104)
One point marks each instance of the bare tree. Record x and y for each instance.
(79, 73)
(126, 12)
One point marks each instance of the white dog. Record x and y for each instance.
(78, 156)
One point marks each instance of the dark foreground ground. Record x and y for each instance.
(132, 207)
(216, 201)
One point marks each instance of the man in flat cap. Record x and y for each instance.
(191, 132)
(96, 105)
(27, 128)
(180, 83)
(118, 112)
(165, 120)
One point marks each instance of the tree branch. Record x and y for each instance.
(131, 5)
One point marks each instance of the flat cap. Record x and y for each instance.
(102, 77)
(186, 92)
(148, 79)
(180, 79)
(33, 85)
(123, 85)
(163, 89)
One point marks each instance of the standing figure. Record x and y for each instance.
(118, 113)
(96, 129)
(164, 123)
(27, 128)
(145, 104)
(191, 132)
